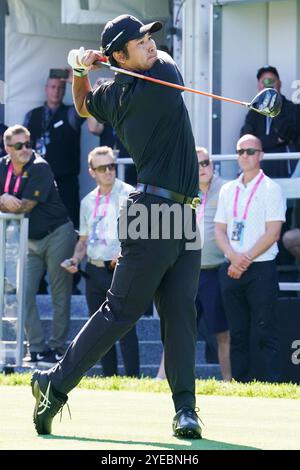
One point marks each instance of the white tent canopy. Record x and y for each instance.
(101, 11)
(37, 40)
(43, 19)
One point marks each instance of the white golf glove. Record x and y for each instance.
(75, 57)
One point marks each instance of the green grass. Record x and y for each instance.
(105, 420)
(203, 387)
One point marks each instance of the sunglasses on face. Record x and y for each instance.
(204, 163)
(269, 82)
(249, 151)
(103, 168)
(20, 145)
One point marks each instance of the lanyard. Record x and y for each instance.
(8, 178)
(201, 209)
(98, 202)
(237, 193)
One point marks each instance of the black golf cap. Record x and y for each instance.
(267, 68)
(122, 29)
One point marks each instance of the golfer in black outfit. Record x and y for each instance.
(153, 124)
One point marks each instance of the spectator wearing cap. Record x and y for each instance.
(278, 134)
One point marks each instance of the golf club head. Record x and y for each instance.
(268, 102)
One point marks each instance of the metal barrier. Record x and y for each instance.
(13, 249)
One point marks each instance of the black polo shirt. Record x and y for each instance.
(152, 122)
(37, 184)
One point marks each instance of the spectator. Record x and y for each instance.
(55, 133)
(291, 241)
(3, 128)
(209, 301)
(27, 186)
(279, 134)
(99, 241)
(209, 305)
(109, 137)
(250, 213)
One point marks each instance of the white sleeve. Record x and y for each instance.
(83, 226)
(275, 204)
(221, 215)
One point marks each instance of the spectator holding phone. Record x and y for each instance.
(98, 240)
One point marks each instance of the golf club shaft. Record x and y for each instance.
(169, 84)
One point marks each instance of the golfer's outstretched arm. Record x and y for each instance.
(80, 90)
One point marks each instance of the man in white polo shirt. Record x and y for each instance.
(250, 213)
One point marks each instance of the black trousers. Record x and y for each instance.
(97, 284)
(250, 306)
(166, 269)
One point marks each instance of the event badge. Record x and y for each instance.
(58, 124)
(238, 230)
(97, 233)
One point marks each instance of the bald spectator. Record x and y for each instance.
(250, 213)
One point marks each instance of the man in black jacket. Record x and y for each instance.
(279, 134)
(55, 134)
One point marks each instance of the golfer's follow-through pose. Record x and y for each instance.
(153, 124)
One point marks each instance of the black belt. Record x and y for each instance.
(165, 193)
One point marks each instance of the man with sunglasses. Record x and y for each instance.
(27, 186)
(210, 312)
(98, 239)
(153, 124)
(279, 134)
(250, 213)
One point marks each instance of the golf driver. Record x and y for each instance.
(267, 102)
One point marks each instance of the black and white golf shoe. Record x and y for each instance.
(48, 403)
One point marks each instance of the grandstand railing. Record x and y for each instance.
(13, 249)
